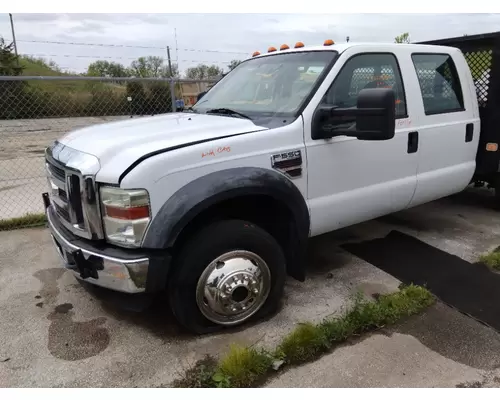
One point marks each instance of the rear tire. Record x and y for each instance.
(225, 275)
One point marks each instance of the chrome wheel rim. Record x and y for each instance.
(233, 287)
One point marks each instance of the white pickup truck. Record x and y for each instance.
(215, 205)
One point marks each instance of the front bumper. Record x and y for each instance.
(110, 267)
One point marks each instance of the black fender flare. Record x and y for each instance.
(208, 190)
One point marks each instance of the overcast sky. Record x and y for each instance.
(217, 38)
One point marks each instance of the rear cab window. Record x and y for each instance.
(440, 84)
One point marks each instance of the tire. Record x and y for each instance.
(239, 241)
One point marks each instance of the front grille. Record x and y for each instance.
(62, 194)
(62, 212)
(67, 201)
(75, 200)
(72, 191)
(57, 172)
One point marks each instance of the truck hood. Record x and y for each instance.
(123, 142)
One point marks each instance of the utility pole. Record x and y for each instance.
(169, 62)
(14, 38)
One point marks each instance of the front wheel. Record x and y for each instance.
(225, 275)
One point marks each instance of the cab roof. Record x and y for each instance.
(340, 48)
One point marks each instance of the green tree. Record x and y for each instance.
(136, 97)
(403, 38)
(233, 64)
(12, 93)
(153, 67)
(9, 63)
(159, 98)
(108, 69)
(203, 71)
(165, 72)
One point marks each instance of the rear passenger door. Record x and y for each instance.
(447, 127)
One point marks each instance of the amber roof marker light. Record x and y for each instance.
(256, 53)
(271, 49)
(328, 42)
(284, 47)
(298, 45)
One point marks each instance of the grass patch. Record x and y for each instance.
(241, 367)
(244, 367)
(491, 260)
(304, 343)
(39, 67)
(26, 221)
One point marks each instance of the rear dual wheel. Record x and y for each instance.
(227, 274)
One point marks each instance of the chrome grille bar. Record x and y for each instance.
(73, 191)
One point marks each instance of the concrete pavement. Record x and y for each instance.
(55, 333)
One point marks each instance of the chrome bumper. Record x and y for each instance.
(123, 275)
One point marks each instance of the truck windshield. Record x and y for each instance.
(274, 85)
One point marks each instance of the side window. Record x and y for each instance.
(367, 71)
(439, 83)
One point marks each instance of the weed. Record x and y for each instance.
(26, 221)
(491, 260)
(303, 344)
(199, 376)
(242, 366)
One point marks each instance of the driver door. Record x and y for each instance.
(351, 180)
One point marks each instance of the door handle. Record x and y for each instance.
(469, 132)
(412, 142)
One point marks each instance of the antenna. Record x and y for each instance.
(176, 48)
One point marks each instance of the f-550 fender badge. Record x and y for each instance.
(289, 163)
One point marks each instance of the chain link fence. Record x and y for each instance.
(35, 111)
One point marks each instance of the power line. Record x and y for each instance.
(115, 58)
(78, 56)
(215, 51)
(92, 44)
(207, 61)
(128, 46)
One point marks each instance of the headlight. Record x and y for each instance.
(126, 215)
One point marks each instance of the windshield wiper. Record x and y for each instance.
(226, 111)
